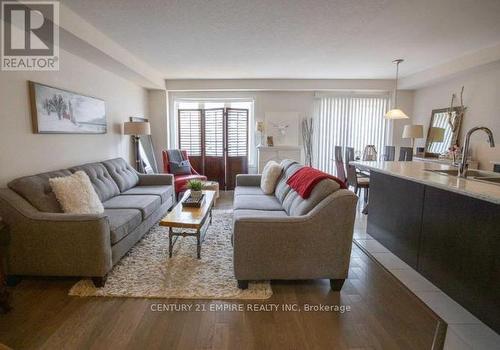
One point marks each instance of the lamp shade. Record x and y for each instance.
(137, 128)
(396, 114)
(413, 132)
(436, 134)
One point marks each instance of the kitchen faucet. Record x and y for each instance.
(463, 166)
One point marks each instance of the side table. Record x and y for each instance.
(212, 186)
(4, 295)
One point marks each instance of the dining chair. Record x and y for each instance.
(389, 153)
(370, 153)
(405, 154)
(357, 182)
(339, 163)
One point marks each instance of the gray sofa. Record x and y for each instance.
(44, 241)
(285, 237)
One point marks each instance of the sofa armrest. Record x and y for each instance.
(156, 179)
(54, 244)
(248, 179)
(316, 245)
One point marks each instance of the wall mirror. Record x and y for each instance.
(146, 150)
(443, 131)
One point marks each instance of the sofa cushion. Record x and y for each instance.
(165, 192)
(286, 163)
(147, 204)
(245, 190)
(76, 194)
(122, 222)
(257, 202)
(37, 191)
(250, 214)
(270, 176)
(103, 183)
(124, 175)
(178, 164)
(282, 187)
(295, 205)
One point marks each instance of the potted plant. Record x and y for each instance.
(196, 187)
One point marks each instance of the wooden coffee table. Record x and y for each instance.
(189, 221)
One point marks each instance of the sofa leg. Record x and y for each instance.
(242, 284)
(99, 282)
(337, 284)
(12, 280)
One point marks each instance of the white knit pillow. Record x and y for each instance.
(270, 176)
(76, 194)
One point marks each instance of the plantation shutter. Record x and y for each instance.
(214, 132)
(237, 132)
(190, 131)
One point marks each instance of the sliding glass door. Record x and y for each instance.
(348, 121)
(217, 142)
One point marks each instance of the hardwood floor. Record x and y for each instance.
(383, 315)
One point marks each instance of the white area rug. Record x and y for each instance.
(147, 271)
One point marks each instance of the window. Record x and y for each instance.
(348, 121)
(237, 132)
(214, 132)
(205, 131)
(213, 142)
(190, 131)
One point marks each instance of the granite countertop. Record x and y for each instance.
(416, 171)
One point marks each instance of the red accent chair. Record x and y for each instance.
(181, 181)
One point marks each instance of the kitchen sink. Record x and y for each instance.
(454, 172)
(489, 179)
(483, 176)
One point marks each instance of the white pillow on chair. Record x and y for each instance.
(270, 176)
(76, 194)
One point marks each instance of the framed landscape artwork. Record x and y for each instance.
(57, 111)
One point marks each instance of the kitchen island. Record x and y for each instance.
(447, 228)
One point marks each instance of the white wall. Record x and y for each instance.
(481, 97)
(24, 153)
(405, 103)
(158, 107)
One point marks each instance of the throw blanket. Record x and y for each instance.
(178, 165)
(305, 179)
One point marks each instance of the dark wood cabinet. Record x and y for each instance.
(451, 239)
(395, 215)
(460, 251)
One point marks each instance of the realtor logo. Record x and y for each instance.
(30, 35)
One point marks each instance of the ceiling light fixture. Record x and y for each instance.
(396, 113)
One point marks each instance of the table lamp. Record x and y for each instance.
(413, 132)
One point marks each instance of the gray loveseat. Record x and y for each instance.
(285, 237)
(44, 241)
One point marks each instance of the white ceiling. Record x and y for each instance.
(315, 39)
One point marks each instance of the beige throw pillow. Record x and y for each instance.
(270, 176)
(76, 194)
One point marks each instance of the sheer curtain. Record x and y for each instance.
(348, 121)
